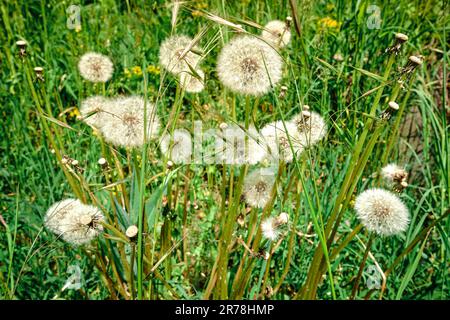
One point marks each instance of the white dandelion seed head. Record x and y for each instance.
(382, 212)
(171, 54)
(258, 186)
(248, 65)
(239, 146)
(270, 229)
(311, 127)
(125, 124)
(177, 146)
(279, 138)
(276, 33)
(191, 83)
(95, 67)
(75, 222)
(93, 111)
(394, 173)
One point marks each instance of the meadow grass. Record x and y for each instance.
(196, 238)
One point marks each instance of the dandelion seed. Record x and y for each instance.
(277, 33)
(269, 231)
(191, 83)
(278, 140)
(39, 71)
(94, 111)
(95, 67)
(382, 212)
(310, 126)
(125, 124)
(271, 226)
(258, 186)
(74, 221)
(177, 146)
(248, 65)
(396, 176)
(239, 146)
(172, 55)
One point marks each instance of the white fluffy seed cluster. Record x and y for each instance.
(382, 212)
(177, 146)
(394, 173)
(258, 186)
(271, 227)
(176, 56)
(122, 121)
(95, 67)
(73, 221)
(276, 33)
(249, 66)
(179, 57)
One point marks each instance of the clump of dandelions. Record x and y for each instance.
(311, 127)
(270, 227)
(95, 67)
(193, 83)
(278, 139)
(124, 126)
(176, 54)
(178, 146)
(277, 33)
(248, 65)
(75, 222)
(395, 175)
(258, 186)
(382, 212)
(93, 111)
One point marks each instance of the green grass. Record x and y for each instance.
(183, 245)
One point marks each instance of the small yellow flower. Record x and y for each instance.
(137, 70)
(127, 73)
(329, 23)
(202, 5)
(78, 28)
(153, 69)
(74, 113)
(196, 13)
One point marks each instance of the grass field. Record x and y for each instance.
(196, 233)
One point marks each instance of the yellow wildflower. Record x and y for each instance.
(329, 23)
(137, 70)
(153, 69)
(74, 113)
(127, 72)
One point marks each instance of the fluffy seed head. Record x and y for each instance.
(172, 57)
(269, 229)
(258, 186)
(239, 146)
(276, 33)
(394, 173)
(278, 141)
(74, 221)
(94, 111)
(95, 67)
(191, 83)
(311, 127)
(125, 124)
(177, 146)
(248, 65)
(382, 212)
